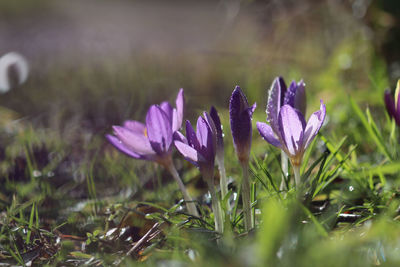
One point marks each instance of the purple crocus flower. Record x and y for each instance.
(153, 140)
(279, 95)
(240, 115)
(288, 129)
(293, 135)
(393, 105)
(199, 147)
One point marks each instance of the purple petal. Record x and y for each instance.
(187, 151)
(206, 140)
(178, 112)
(135, 141)
(268, 134)
(251, 109)
(178, 136)
(167, 108)
(159, 130)
(191, 136)
(203, 132)
(296, 96)
(121, 147)
(291, 124)
(275, 101)
(213, 129)
(218, 126)
(389, 103)
(135, 126)
(314, 124)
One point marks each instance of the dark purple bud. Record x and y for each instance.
(240, 116)
(393, 105)
(389, 103)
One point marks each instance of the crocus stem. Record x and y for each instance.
(285, 169)
(216, 207)
(296, 170)
(189, 202)
(248, 216)
(223, 181)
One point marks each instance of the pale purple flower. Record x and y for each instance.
(288, 129)
(152, 140)
(393, 105)
(240, 116)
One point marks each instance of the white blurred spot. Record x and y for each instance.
(36, 173)
(192, 254)
(351, 188)
(12, 64)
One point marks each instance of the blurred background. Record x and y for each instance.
(107, 61)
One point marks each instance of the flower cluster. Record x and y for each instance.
(203, 147)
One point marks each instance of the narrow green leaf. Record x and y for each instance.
(30, 225)
(320, 229)
(370, 129)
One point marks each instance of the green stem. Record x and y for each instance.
(248, 216)
(189, 202)
(296, 170)
(216, 207)
(285, 170)
(223, 181)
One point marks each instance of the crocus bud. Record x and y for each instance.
(240, 116)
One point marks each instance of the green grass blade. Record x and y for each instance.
(320, 229)
(368, 125)
(30, 225)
